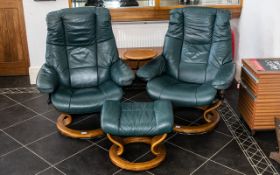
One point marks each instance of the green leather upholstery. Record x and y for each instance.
(82, 67)
(137, 119)
(197, 58)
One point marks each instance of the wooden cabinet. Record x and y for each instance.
(13, 44)
(259, 98)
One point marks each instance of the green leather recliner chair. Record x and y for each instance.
(196, 64)
(82, 68)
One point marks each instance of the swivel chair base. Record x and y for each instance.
(210, 115)
(117, 150)
(65, 120)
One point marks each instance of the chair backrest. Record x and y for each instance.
(81, 46)
(197, 43)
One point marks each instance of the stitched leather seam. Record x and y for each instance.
(211, 46)
(72, 45)
(178, 73)
(96, 45)
(154, 112)
(103, 67)
(66, 53)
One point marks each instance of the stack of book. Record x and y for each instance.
(259, 98)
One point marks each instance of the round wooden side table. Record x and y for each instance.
(140, 56)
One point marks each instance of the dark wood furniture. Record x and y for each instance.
(259, 98)
(14, 59)
(137, 57)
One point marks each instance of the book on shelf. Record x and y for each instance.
(266, 64)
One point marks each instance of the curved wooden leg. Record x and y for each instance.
(117, 149)
(156, 141)
(212, 118)
(65, 119)
(118, 142)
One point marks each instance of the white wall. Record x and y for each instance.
(35, 14)
(259, 30)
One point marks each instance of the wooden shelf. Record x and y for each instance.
(157, 12)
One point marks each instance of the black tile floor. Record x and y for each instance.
(30, 143)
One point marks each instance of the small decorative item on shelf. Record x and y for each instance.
(97, 3)
(128, 3)
(185, 1)
(276, 155)
(189, 2)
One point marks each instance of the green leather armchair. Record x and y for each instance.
(82, 68)
(196, 64)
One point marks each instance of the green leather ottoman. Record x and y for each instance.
(146, 122)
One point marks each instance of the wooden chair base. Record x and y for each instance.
(65, 120)
(211, 116)
(117, 150)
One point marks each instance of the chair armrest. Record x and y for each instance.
(47, 79)
(224, 76)
(152, 69)
(121, 73)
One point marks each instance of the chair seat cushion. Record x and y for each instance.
(181, 93)
(137, 119)
(85, 100)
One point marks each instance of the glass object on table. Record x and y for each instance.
(114, 3)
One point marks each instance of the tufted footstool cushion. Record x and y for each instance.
(137, 119)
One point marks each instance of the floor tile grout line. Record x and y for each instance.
(25, 120)
(224, 134)
(41, 138)
(176, 116)
(169, 138)
(30, 143)
(46, 169)
(40, 157)
(98, 141)
(102, 148)
(16, 102)
(34, 110)
(118, 171)
(7, 107)
(135, 95)
(40, 95)
(83, 119)
(227, 166)
(150, 172)
(7, 153)
(187, 150)
(20, 122)
(212, 156)
(74, 154)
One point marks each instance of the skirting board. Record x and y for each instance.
(33, 72)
